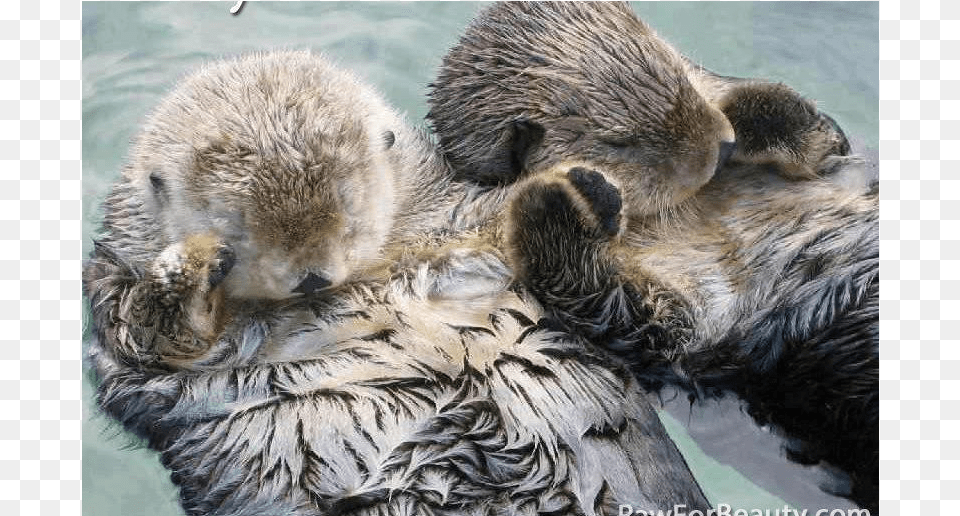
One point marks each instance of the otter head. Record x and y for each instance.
(282, 158)
(531, 85)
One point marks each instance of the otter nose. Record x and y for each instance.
(842, 145)
(726, 150)
(311, 284)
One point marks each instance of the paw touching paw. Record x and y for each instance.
(604, 198)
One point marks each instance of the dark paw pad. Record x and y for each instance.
(221, 264)
(604, 198)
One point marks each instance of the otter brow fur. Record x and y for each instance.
(421, 384)
(764, 282)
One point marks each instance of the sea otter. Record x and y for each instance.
(763, 281)
(299, 309)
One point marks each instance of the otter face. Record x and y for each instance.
(659, 161)
(297, 241)
(283, 159)
(295, 228)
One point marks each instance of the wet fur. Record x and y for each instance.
(420, 383)
(765, 288)
(764, 282)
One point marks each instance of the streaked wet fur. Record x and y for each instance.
(764, 282)
(419, 384)
(765, 288)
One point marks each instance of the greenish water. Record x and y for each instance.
(134, 52)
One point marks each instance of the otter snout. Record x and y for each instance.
(726, 150)
(311, 284)
(842, 145)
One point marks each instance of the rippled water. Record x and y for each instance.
(134, 52)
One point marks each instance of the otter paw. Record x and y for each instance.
(836, 140)
(603, 198)
(775, 125)
(184, 281)
(562, 208)
(196, 265)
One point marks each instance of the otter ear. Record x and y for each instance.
(527, 135)
(505, 159)
(156, 182)
(388, 140)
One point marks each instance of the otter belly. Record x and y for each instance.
(374, 400)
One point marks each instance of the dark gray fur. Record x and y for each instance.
(421, 385)
(760, 283)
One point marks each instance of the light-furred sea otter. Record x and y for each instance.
(764, 282)
(411, 379)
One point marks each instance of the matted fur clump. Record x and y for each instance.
(764, 281)
(295, 306)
